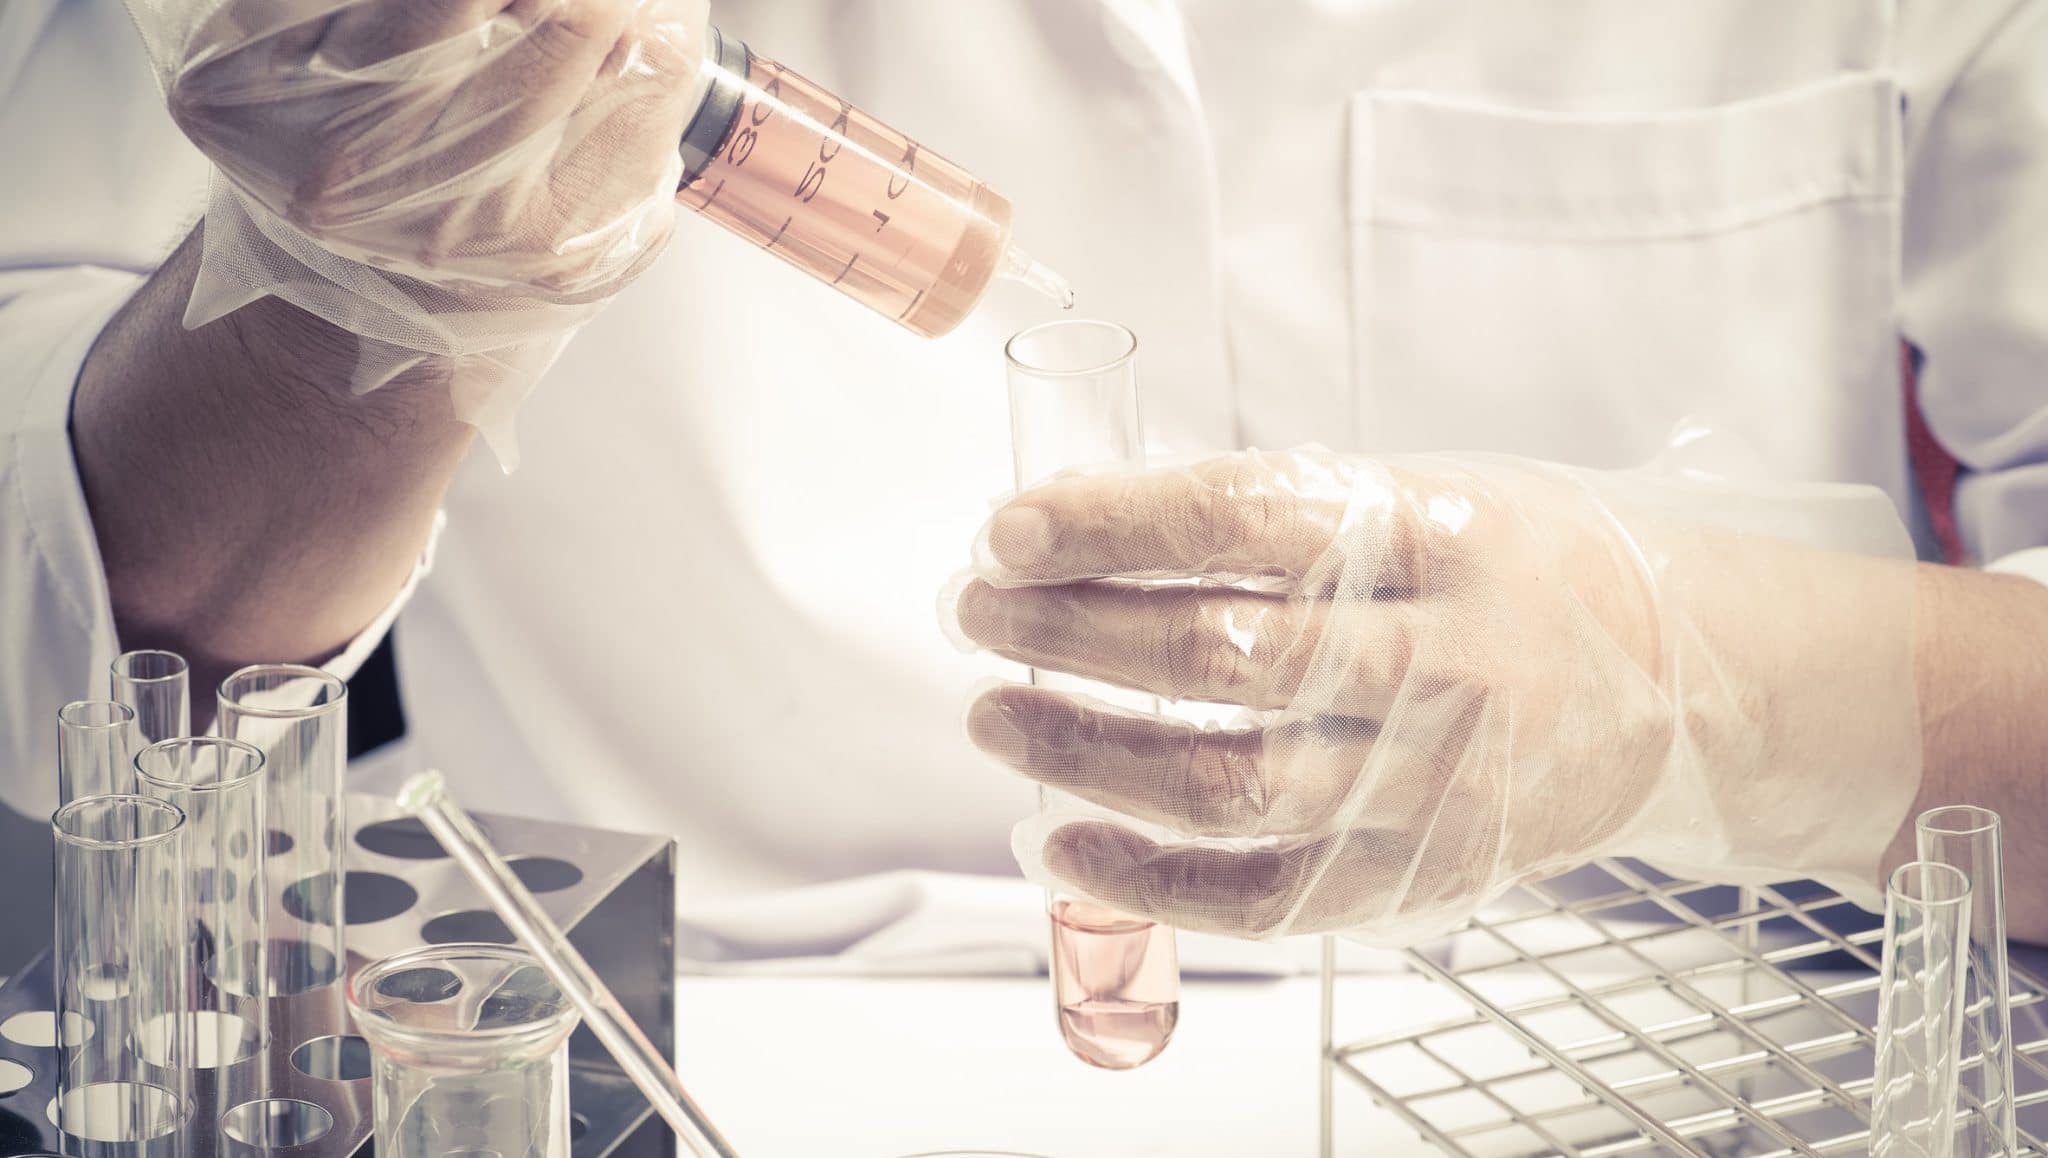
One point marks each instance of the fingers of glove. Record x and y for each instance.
(1361, 880)
(495, 105)
(1245, 893)
(369, 32)
(1201, 782)
(1246, 514)
(1216, 644)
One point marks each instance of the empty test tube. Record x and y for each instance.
(156, 685)
(1920, 1012)
(219, 785)
(1968, 838)
(95, 750)
(297, 717)
(122, 970)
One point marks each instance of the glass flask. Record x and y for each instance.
(157, 686)
(122, 969)
(1920, 1012)
(470, 1053)
(219, 785)
(1074, 403)
(95, 750)
(1968, 838)
(297, 718)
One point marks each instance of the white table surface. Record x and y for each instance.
(869, 1068)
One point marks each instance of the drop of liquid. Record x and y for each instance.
(1020, 266)
(1117, 981)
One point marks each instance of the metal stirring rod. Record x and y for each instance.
(426, 796)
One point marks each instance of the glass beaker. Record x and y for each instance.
(219, 785)
(1967, 838)
(470, 1049)
(121, 969)
(297, 717)
(1074, 403)
(156, 685)
(95, 750)
(1920, 1012)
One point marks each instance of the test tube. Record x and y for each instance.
(122, 972)
(95, 750)
(156, 686)
(829, 189)
(297, 717)
(1968, 838)
(470, 1053)
(1920, 1012)
(219, 785)
(1074, 403)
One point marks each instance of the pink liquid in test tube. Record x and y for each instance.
(1117, 981)
(1074, 403)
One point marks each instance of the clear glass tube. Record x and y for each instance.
(1920, 1012)
(219, 785)
(297, 717)
(157, 686)
(425, 796)
(122, 972)
(1968, 838)
(95, 750)
(835, 192)
(1074, 403)
(470, 1047)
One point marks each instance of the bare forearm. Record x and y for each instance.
(1983, 677)
(248, 507)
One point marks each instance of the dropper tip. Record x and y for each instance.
(421, 792)
(1020, 266)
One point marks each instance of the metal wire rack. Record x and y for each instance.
(1620, 1011)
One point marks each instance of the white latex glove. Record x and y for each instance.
(470, 179)
(1461, 672)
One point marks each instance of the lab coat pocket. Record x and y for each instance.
(1569, 285)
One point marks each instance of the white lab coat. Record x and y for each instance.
(704, 604)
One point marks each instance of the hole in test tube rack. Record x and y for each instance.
(117, 1112)
(422, 986)
(467, 925)
(368, 898)
(14, 1077)
(18, 1134)
(276, 1122)
(217, 1039)
(545, 874)
(578, 1126)
(334, 1059)
(37, 1029)
(276, 842)
(405, 839)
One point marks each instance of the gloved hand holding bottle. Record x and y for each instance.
(1459, 672)
(445, 179)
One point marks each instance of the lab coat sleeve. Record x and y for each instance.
(1975, 294)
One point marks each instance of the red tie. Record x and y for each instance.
(1934, 468)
